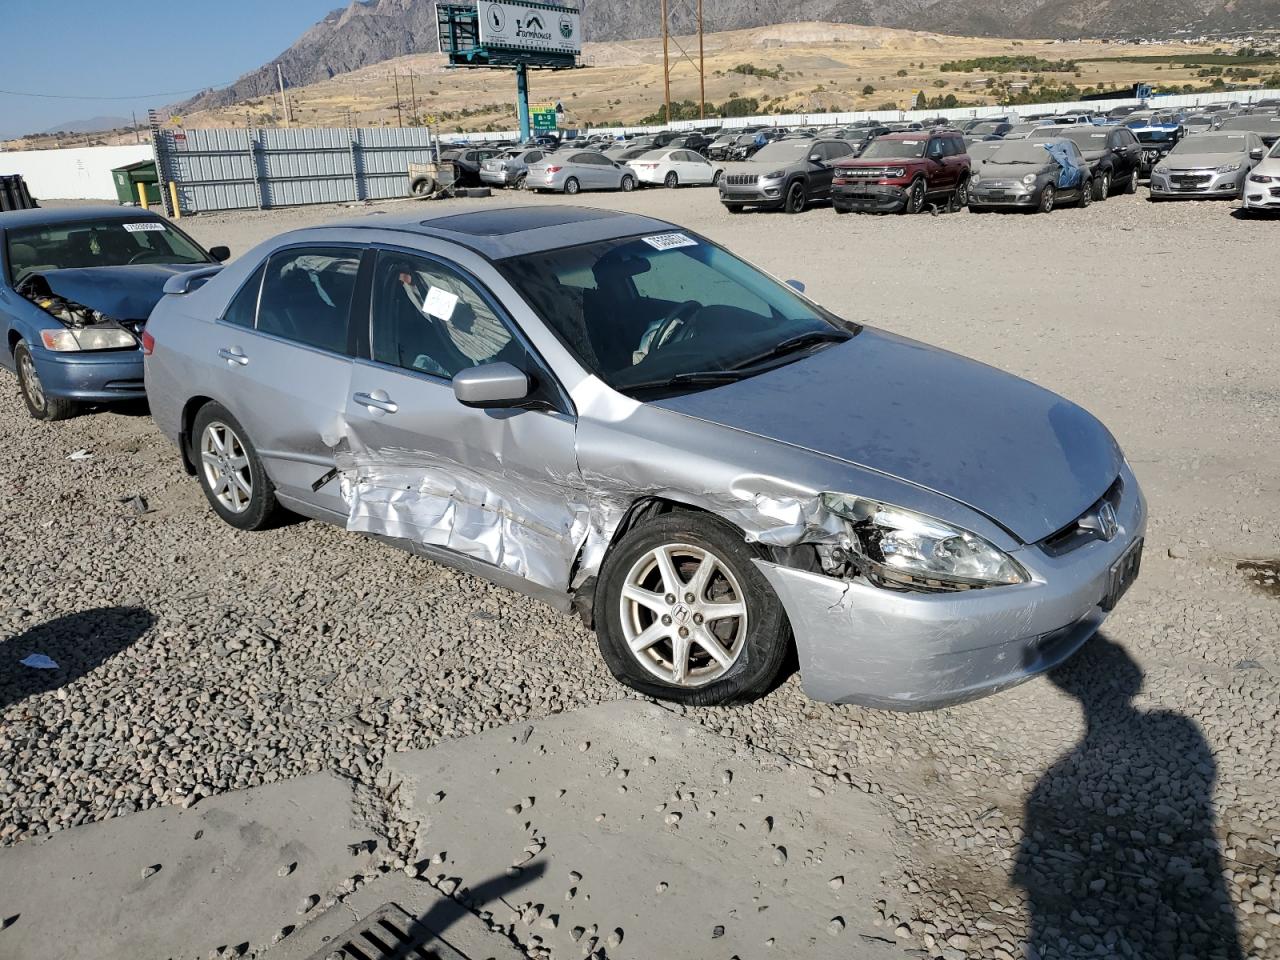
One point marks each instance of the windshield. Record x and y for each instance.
(97, 243)
(982, 129)
(783, 151)
(1275, 151)
(1083, 138)
(1020, 151)
(1155, 136)
(1211, 143)
(638, 312)
(894, 149)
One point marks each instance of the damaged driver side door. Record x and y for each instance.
(498, 486)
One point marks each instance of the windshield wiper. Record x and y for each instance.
(791, 345)
(694, 378)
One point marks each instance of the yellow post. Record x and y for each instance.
(173, 195)
(142, 196)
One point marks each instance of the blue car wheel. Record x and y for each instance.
(40, 405)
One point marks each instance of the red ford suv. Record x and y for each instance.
(901, 172)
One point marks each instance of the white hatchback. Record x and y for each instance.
(672, 168)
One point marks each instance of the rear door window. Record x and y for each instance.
(306, 296)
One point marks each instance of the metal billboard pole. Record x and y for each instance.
(666, 63)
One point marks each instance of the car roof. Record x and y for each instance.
(42, 216)
(513, 231)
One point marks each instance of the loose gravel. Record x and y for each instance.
(1126, 807)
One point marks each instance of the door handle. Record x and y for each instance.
(233, 355)
(376, 401)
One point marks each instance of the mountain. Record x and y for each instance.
(370, 31)
(92, 125)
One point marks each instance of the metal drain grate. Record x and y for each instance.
(389, 933)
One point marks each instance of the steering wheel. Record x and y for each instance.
(137, 257)
(677, 316)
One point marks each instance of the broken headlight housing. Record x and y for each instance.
(901, 549)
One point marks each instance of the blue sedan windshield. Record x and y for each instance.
(97, 243)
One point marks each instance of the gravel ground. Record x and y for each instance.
(1127, 806)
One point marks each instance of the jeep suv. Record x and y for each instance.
(901, 172)
(787, 174)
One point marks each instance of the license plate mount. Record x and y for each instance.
(1122, 574)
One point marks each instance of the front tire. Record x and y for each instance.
(1087, 191)
(683, 613)
(916, 194)
(1047, 197)
(230, 471)
(1102, 186)
(40, 405)
(571, 186)
(628, 183)
(796, 198)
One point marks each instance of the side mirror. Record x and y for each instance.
(796, 285)
(491, 385)
(221, 254)
(1256, 153)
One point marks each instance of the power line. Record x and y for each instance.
(136, 96)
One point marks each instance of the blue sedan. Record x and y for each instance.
(76, 288)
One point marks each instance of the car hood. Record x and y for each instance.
(1013, 171)
(754, 167)
(1196, 161)
(1025, 457)
(122, 293)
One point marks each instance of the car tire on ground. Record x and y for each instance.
(1047, 197)
(641, 610)
(628, 183)
(1131, 185)
(230, 472)
(959, 197)
(422, 186)
(1086, 194)
(715, 178)
(734, 207)
(671, 180)
(1102, 185)
(841, 210)
(796, 198)
(571, 186)
(975, 208)
(519, 184)
(916, 195)
(40, 405)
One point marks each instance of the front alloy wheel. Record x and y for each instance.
(1047, 196)
(795, 198)
(40, 405)
(916, 197)
(230, 472)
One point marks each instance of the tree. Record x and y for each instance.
(868, 90)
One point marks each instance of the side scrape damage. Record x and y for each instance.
(552, 531)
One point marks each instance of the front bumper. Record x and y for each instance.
(915, 651)
(1262, 196)
(1197, 183)
(92, 376)
(869, 197)
(1003, 194)
(758, 193)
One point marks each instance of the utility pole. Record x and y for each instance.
(284, 101)
(702, 71)
(413, 96)
(137, 134)
(399, 121)
(666, 64)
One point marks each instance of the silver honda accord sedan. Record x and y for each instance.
(620, 417)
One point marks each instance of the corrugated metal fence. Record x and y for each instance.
(236, 169)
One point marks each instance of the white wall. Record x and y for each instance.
(76, 173)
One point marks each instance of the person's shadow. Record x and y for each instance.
(1119, 855)
(78, 643)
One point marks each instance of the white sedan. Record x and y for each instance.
(672, 168)
(1262, 188)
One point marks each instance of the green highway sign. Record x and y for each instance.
(544, 119)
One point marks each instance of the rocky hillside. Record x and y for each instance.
(370, 31)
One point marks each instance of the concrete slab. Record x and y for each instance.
(631, 831)
(90, 891)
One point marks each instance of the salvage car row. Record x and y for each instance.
(582, 405)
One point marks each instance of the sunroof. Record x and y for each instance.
(496, 223)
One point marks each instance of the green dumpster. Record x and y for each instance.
(129, 176)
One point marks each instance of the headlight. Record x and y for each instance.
(1259, 178)
(897, 173)
(776, 175)
(974, 177)
(1029, 179)
(1229, 168)
(899, 547)
(71, 339)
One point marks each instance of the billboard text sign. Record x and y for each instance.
(535, 27)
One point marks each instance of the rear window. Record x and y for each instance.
(97, 243)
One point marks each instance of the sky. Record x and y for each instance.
(82, 49)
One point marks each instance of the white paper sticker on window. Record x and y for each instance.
(440, 303)
(144, 227)
(669, 241)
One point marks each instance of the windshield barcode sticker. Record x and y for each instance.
(144, 227)
(669, 241)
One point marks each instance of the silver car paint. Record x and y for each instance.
(532, 499)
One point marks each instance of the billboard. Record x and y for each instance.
(535, 27)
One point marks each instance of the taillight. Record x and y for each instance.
(554, 169)
(148, 343)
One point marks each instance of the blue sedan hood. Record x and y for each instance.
(122, 293)
(1025, 457)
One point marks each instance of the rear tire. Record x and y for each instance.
(1102, 186)
(632, 602)
(959, 197)
(230, 472)
(1131, 185)
(40, 405)
(571, 186)
(671, 180)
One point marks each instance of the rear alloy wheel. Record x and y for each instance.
(571, 186)
(520, 181)
(230, 471)
(1102, 185)
(795, 198)
(1047, 197)
(671, 181)
(628, 183)
(685, 615)
(915, 196)
(40, 405)
(959, 197)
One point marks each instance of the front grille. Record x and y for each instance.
(1081, 530)
(741, 179)
(1190, 179)
(863, 173)
(389, 933)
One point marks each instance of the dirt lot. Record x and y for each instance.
(1128, 806)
